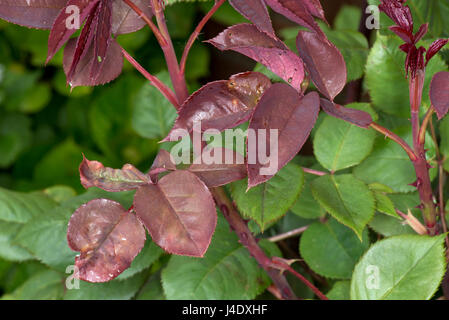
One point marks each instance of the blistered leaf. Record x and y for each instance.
(271, 52)
(221, 104)
(256, 12)
(292, 117)
(31, 13)
(298, 11)
(439, 93)
(112, 67)
(179, 213)
(359, 118)
(94, 174)
(222, 166)
(108, 238)
(324, 62)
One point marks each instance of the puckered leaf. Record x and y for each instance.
(439, 93)
(222, 166)
(319, 54)
(283, 109)
(407, 267)
(112, 65)
(299, 11)
(31, 13)
(347, 199)
(271, 52)
(221, 104)
(359, 118)
(179, 213)
(108, 238)
(94, 174)
(256, 12)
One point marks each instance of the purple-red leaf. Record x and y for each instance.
(298, 11)
(94, 174)
(434, 48)
(221, 104)
(315, 8)
(108, 238)
(439, 93)
(125, 19)
(269, 51)
(324, 62)
(162, 163)
(283, 109)
(179, 213)
(39, 14)
(112, 65)
(102, 38)
(359, 118)
(256, 12)
(60, 32)
(219, 166)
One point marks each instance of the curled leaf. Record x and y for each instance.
(439, 93)
(221, 104)
(359, 118)
(94, 174)
(324, 62)
(162, 163)
(291, 117)
(269, 51)
(108, 238)
(178, 212)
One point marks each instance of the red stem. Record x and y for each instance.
(176, 76)
(153, 80)
(314, 172)
(196, 33)
(247, 239)
(396, 139)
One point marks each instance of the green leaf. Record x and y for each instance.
(152, 290)
(45, 285)
(385, 67)
(112, 290)
(339, 144)
(226, 272)
(348, 18)
(20, 207)
(15, 137)
(153, 115)
(269, 201)
(306, 206)
(340, 291)
(390, 165)
(149, 254)
(408, 267)
(8, 249)
(331, 249)
(347, 199)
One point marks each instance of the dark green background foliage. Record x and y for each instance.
(45, 128)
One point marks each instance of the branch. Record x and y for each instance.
(177, 78)
(153, 80)
(197, 32)
(284, 266)
(396, 139)
(289, 234)
(247, 239)
(148, 21)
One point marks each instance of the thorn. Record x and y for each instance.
(420, 206)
